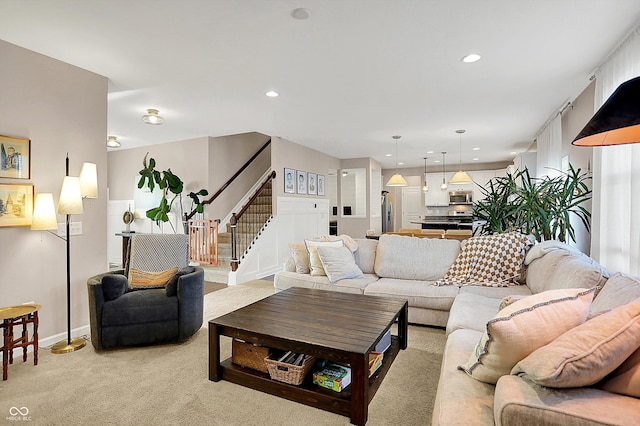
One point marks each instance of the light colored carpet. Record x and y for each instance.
(168, 384)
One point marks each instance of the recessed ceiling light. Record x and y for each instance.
(152, 117)
(272, 94)
(388, 155)
(400, 164)
(473, 57)
(429, 152)
(301, 13)
(476, 149)
(436, 161)
(513, 153)
(476, 159)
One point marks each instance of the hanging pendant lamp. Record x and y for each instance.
(443, 187)
(461, 177)
(425, 186)
(397, 179)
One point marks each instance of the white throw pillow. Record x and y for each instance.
(338, 263)
(523, 327)
(315, 264)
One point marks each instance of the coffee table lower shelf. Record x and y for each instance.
(308, 393)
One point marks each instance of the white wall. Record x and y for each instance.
(62, 109)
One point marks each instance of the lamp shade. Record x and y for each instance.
(397, 180)
(44, 213)
(617, 121)
(70, 201)
(89, 180)
(460, 178)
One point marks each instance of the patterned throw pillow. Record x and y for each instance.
(146, 279)
(490, 260)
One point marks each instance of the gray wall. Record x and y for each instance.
(61, 108)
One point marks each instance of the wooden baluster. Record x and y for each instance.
(234, 258)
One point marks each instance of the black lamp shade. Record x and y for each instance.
(617, 122)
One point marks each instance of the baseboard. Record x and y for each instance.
(52, 340)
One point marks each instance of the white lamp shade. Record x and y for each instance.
(89, 180)
(397, 180)
(70, 201)
(44, 213)
(460, 178)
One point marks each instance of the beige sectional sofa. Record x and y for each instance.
(406, 267)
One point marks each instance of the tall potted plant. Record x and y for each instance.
(542, 207)
(172, 188)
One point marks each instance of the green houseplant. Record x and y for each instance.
(172, 188)
(541, 207)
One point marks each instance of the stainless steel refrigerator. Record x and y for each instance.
(387, 212)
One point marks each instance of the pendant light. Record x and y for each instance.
(397, 179)
(425, 186)
(443, 187)
(460, 178)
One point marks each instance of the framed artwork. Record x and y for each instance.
(320, 184)
(313, 183)
(15, 158)
(301, 181)
(289, 181)
(16, 205)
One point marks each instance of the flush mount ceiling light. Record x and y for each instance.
(472, 57)
(617, 122)
(152, 117)
(112, 142)
(397, 179)
(425, 185)
(301, 13)
(272, 94)
(460, 177)
(443, 187)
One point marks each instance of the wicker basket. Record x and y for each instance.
(249, 355)
(289, 373)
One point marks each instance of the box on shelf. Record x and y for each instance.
(384, 343)
(333, 376)
(249, 355)
(375, 361)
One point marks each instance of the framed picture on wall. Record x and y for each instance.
(301, 181)
(313, 183)
(16, 205)
(15, 158)
(320, 184)
(289, 181)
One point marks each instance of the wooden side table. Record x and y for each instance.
(16, 316)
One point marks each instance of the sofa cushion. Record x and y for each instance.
(420, 294)
(489, 260)
(114, 286)
(496, 292)
(413, 258)
(471, 312)
(524, 326)
(366, 254)
(562, 269)
(618, 290)
(284, 280)
(625, 380)
(314, 260)
(300, 256)
(139, 307)
(338, 263)
(585, 354)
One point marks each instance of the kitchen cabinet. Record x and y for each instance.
(435, 196)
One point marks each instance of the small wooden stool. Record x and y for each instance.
(15, 316)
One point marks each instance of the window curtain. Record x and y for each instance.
(549, 147)
(615, 233)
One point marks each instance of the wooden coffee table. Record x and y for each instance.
(343, 328)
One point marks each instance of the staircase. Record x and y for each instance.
(256, 216)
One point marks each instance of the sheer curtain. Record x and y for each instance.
(615, 234)
(549, 147)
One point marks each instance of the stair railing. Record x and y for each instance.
(247, 224)
(203, 241)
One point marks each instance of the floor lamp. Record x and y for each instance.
(74, 189)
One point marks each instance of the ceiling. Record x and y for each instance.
(349, 77)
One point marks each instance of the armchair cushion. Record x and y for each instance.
(140, 307)
(114, 286)
(172, 284)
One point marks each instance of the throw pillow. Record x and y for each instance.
(490, 260)
(625, 380)
(314, 260)
(114, 286)
(618, 290)
(586, 354)
(148, 279)
(172, 285)
(523, 327)
(300, 256)
(338, 263)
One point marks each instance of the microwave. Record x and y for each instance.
(460, 197)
